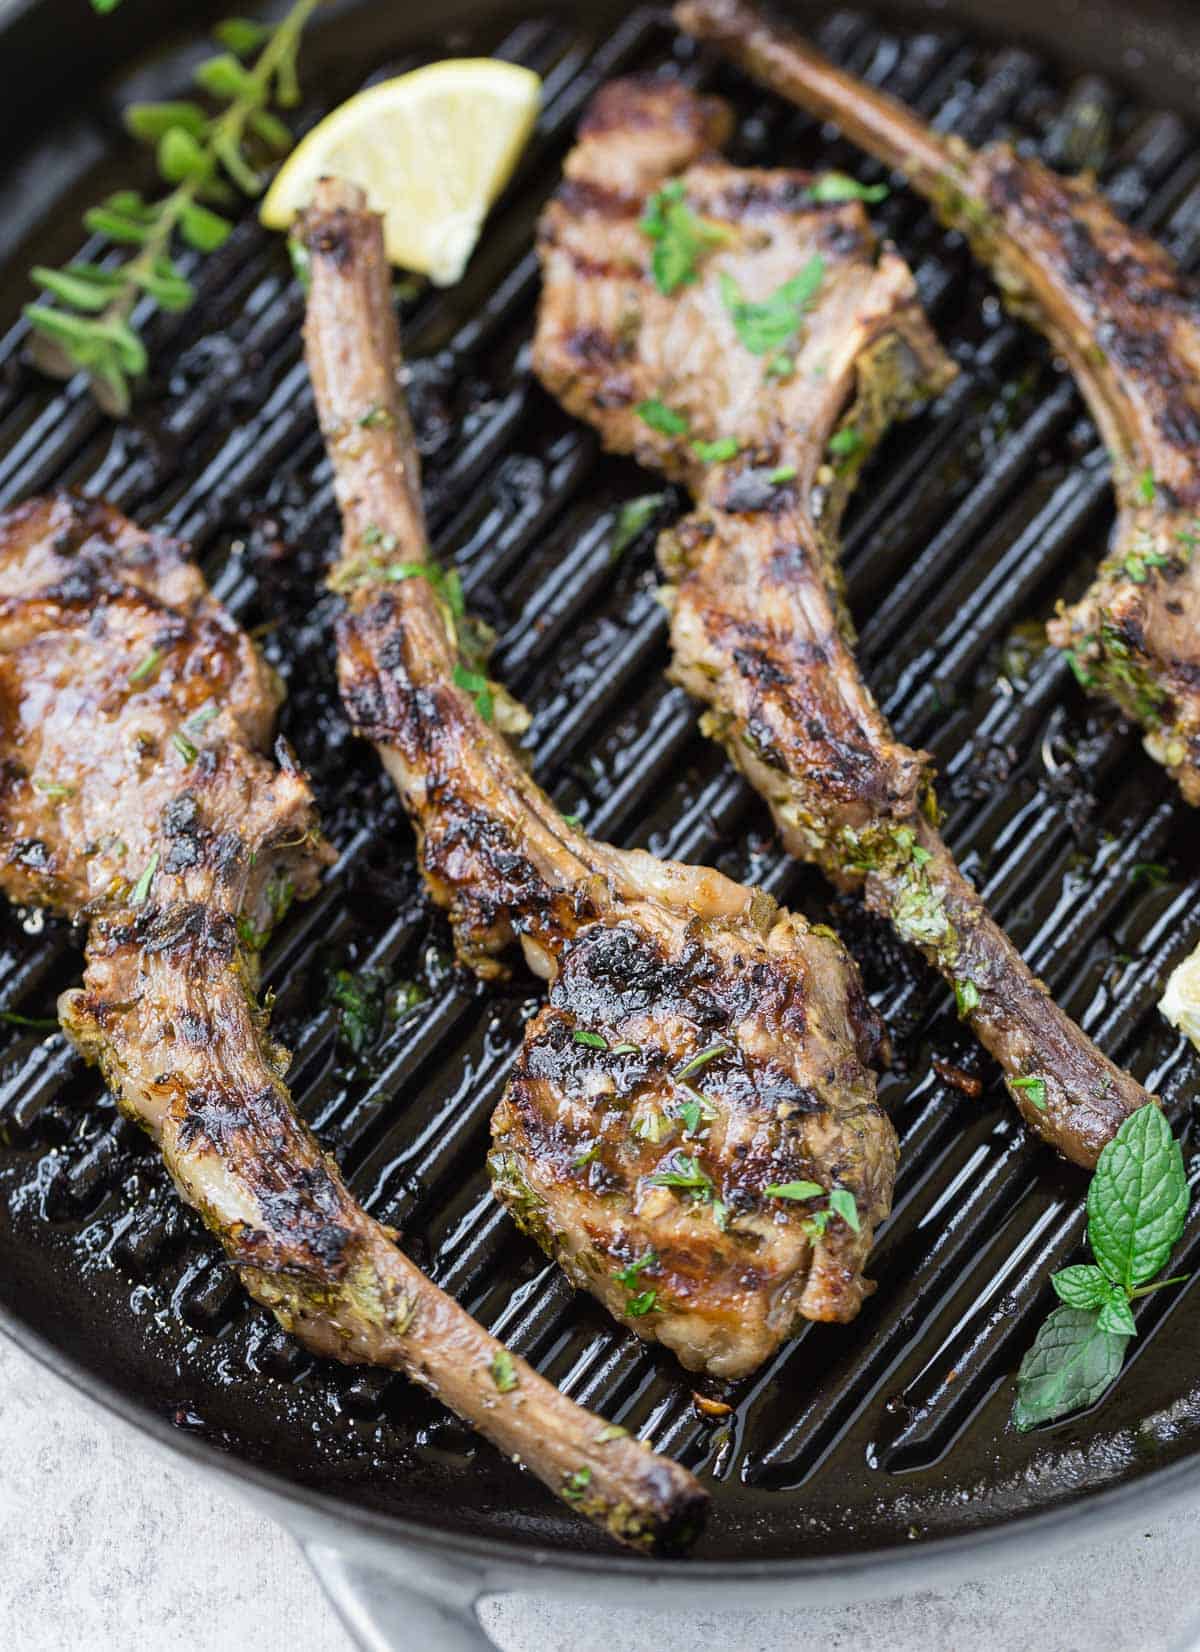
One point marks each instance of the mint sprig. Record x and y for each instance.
(1137, 1205)
(206, 159)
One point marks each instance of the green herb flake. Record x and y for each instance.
(1147, 487)
(714, 453)
(575, 1485)
(1033, 1087)
(839, 186)
(843, 1203)
(141, 888)
(633, 518)
(638, 1306)
(845, 442)
(691, 1113)
(680, 237)
(201, 719)
(665, 420)
(593, 1040)
(966, 996)
(783, 473)
(684, 1173)
(141, 673)
(376, 418)
(611, 1431)
(478, 687)
(35, 1023)
(503, 1371)
(793, 1190)
(54, 788)
(1151, 873)
(768, 324)
(703, 1058)
(359, 1002)
(184, 747)
(625, 1049)
(628, 1275)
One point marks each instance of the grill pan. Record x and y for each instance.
(868, 1458)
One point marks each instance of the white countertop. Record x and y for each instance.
(107, 1546)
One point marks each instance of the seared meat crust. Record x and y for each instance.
(498, 856)
(759, 630)
(1126, 319)
(136, 798)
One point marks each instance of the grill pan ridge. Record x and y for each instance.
(971, 521)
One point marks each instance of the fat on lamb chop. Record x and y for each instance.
(1126, 319)
(138, 798)
(692, 1128)
(767, 411)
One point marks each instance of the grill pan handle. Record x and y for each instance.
(412, 1606)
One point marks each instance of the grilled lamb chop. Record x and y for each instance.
(692, 1128)
(1115, 305)
(134, 719)
(682, 379)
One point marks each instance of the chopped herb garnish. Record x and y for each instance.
(641, 1304)
(1147, 487)
(611, 1431)
(662, 418)
(359, 1001)
(1033, 1087)
(703, 1058)
(571, 820)
(148, 666)
(713, 453)
(921, 857)
(628, 1275)
(793, 1190)
(184, 747)
(503, 1371)
(54, 788)
(691, 1113)
(632, 519)
(839, 186)
(844, 442)
(595, 1041)
(624, 1049)
(686, 1174)
(781, 366)
(843, 1203)
(1149, 872)
(768, 324)
(574, 1485)
(966, 996)
(376, 418)
(202, 718)
(680, 237)
(477, 685)
(784, 473)
(141, 888)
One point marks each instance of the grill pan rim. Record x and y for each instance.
(1002, 1541)
(887, 1571)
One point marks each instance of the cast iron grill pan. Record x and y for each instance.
(970, 523)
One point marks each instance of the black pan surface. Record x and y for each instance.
(972, 521)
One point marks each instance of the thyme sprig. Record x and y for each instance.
(206, 158)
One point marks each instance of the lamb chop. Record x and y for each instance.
(692, 1128)
(766, 407)
(1125, 318)
(138, 799)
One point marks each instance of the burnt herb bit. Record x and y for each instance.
(503, 1371)
(839, 186)
(359, 1003)
(202, 157)
(768, 324)
(680, 238)
(662, 418)
(633, 518)
(1137, 1206)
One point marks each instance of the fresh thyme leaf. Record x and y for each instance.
(36, 1023)
(503, 1371)
(594, 1040)
(680, 238)
(767, 324)
(1138, 1199)
(793, 1190)
(712, 453)
(632, 519)
(843, 1203)
(184, 747)
(839, 186)
(141, 888)
(1034, 1088)
(1071, 1363)
(193, 149)
(662, 418)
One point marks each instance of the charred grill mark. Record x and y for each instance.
(586, 197)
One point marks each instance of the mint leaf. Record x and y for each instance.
(662, 418)
(1085, 1286)
(1138, 1199)
(767, 324)
(1116, 1315)
(843, 1203)
(793, 1190)
(1072, 1361)
(633, 517)
(680, 237)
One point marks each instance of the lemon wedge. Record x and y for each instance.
(432, 149)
